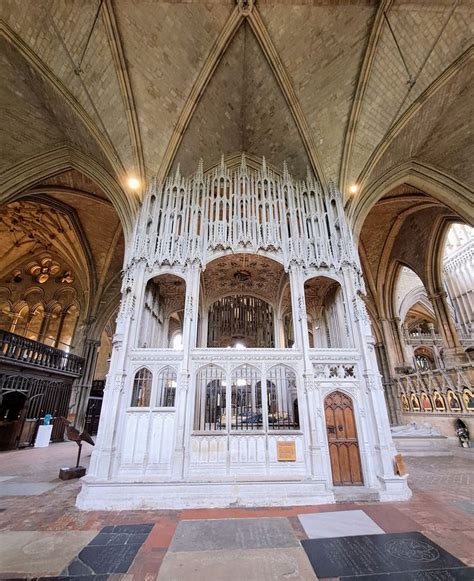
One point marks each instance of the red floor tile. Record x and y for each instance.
(162, 533)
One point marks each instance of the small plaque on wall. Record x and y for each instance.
(286, 451)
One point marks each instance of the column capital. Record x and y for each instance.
(435, 296)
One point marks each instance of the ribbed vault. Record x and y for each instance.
(357, 90)
(243, 109)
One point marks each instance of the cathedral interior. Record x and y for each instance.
(237, 249)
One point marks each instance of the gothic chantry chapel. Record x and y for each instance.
(236, 243)
(242, 336)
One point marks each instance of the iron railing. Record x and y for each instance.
(29, 352)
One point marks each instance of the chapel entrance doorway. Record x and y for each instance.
(342, 439)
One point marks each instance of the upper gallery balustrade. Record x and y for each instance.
(22, 350)
(241, 208)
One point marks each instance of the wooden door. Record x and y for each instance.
(342, 439)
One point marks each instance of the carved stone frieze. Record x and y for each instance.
(360, 310)
(189, 308)
(301, 309)
(156, 355)
(119, 383)
(334, 355)
(373, 383)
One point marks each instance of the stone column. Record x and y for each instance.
(204, 328)
(14, 323)
(193, 279)
(105, 454)
(44, 327)
(310, 404)
(84, 383)
(164, 335)
(394, 344)
(28, 323)
(381, 449)
(60, 328)
(391, 397)
(453, 354)
(300, 320)
(278, 330)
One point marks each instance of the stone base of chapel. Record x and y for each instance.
(122, 495)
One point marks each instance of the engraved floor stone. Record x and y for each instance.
(108, 559)
(374, 554)
(458, 574)
(73, 578)
(26, 488)
(249, 533)
(135, 529)
(345, 523)
(283, 564)
(37, 553)
(119, 539)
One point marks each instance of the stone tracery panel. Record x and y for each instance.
(241, 208)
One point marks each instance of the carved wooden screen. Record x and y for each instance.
(342, 439)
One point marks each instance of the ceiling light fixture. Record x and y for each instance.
(354, 189)
(133, 183)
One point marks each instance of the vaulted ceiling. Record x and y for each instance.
(348, 88)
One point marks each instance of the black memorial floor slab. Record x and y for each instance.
(60, 578)
(111, 551)
(395, 553)
(460, 574)
(73, 578)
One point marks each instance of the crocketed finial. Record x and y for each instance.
(222, 167)
(243, 163)
(200, 171)
(177, 175)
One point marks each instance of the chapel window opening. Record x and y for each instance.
(282, 399)
(33, 327)
(210, 410)
(326, 313)
(142, 388)
(177, 341)
(246, 399)
(167, 383)
(240, 321)
(419, 325)
(163, 313)
(424, 359)
(244, 297)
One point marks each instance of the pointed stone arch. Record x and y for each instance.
(17, 180)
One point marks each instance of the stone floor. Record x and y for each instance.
(42, 534)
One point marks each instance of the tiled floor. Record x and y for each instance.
(43, 534)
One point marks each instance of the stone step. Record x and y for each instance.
(355, 494)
